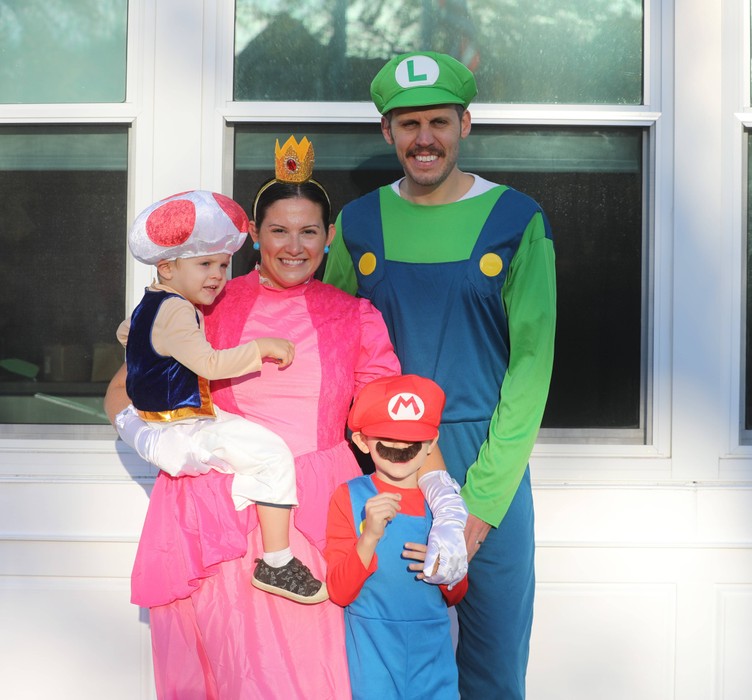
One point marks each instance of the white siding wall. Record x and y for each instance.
(644, 556)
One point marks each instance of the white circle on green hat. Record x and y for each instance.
(417, 71)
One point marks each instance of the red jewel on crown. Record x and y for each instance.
(293, 162)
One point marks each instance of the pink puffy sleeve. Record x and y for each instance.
(376, 357)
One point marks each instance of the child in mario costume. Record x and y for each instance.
(190, 237)
(397, 628)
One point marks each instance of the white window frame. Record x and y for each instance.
(736, 459)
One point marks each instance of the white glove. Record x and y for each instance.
(172, 450)
(446, 540)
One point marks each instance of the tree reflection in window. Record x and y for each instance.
(522, 51)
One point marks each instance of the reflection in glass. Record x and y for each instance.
(62, 232)
(521, 51)
(57, 51)
(589, 182)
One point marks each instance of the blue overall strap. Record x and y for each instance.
(501, 235)
(362, 234)
(361, 489)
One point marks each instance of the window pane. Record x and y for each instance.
(57, 51)
(588, 181)
(62, 230)
(537, 51)
(748, 370)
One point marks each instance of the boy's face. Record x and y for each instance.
(199, 279)
(384, 452)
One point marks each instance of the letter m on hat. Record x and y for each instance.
(406, 407)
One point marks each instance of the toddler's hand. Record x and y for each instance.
(278, 349)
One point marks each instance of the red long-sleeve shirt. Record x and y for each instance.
(345, 571)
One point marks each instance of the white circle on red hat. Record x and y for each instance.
(406, 406)
(417, 71)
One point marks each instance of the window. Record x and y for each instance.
(747, 425)
(577, 175)
(746, 403)
(38, 37)
(62, 229)
(64, 180)
(589, 177)
(539, 51)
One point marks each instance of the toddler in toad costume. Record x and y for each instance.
(190, 237)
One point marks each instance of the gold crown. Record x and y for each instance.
(294, 161)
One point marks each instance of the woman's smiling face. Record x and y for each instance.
(291, 237)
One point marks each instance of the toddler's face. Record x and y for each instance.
(200, 279)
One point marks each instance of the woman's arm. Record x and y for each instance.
(170, 450)
(116, 398)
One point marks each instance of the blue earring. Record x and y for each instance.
(256, 245)
(326, 248)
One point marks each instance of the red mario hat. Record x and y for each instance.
(405, 408)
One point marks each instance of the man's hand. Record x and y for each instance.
(476, 531)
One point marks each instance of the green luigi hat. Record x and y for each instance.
(422, 79)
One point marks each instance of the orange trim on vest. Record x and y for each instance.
(205, 410)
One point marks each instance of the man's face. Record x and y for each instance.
(427, 141)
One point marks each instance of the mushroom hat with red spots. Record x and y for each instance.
(188, 225)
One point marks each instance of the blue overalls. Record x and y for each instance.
(397, 630)
(447, 322)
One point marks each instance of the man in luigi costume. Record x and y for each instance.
(462, 270)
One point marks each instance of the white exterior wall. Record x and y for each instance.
(644, 559)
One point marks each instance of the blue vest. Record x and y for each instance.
(159, 387)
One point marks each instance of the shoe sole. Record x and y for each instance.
(319, 597)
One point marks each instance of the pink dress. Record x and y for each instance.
(214, 636)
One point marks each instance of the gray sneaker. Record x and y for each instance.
(294, 580)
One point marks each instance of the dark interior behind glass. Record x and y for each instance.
(62, 227)
(595, 213)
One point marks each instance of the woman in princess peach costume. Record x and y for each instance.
(214, 636)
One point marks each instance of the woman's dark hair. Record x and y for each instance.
(273, 190)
